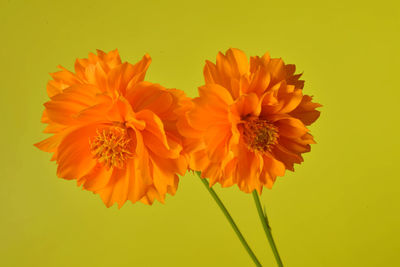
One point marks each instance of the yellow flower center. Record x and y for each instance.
(111, 146)
(259, 135)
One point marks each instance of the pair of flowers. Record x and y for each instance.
(127, 139)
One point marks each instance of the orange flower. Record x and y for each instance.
(249, 122)
(112, 132)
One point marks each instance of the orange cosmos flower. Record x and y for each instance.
(249, 122)
(112, 132)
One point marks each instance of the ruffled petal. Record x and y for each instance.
(249, 167)
(305, 111)
(246, 105)
(217, 140)
(127, 75)
(74, 157)
(207, 113)
(155, 136)
(291, 127)
(291, 101)
(116, 191)
(63, 108)
(50, 144)
(97, 178)
(163, 172)
(272, 168)
(238, 61)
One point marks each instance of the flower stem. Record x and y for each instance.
(267, 229)
(230, 219)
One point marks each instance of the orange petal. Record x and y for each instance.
(62, 79)
(97, 178)
(140, 69)
(142, 161)
(260, 82)
(163, 174)
(277, 69)
(207, 113)
(271, 102)
(215, 94)
(186, 129)
(151, 195)
(287, 126)
(291, 101)
(225, 70)
(127, 75)
(152, 97)
(291, 78)
(297, 145)
(286, 156)
(257, 62)
(172, 188)
(211, 74)
(146, 95)
(217, 140)
(109, 60)
(213, 172)
(305, 111)
(54, 128)
(97, 112)
(238, 61)
(50, 144)
(121, 111)
(63, 107)
(246, 105)
(98, 77)
(86, 69)
(198, 160)
(74, 156)
(291, 127)
(116, 191)
(54, 88)
(248, 170)
(137, 185)
(230, 167)
(154, 135)
(273, 166)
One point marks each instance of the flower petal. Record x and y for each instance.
(238, 61)
(305, 111)
(97, 178)
(217, 140)
(291, 101)
(74, 157)
(249, 167)
(273, 166)
(246, 105)
(127, 75)
(64, 107)
(116, 191)
(286, 156)
(155, 136)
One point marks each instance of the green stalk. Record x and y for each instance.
(267, 229)
(230, 220)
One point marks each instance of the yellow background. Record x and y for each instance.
(340, 207)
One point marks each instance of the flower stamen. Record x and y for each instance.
(111, 146)
(259, 135)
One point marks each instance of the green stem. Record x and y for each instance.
(230, 219)
(267, 229)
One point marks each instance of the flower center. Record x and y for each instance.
(259, 135)
(111, 146)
